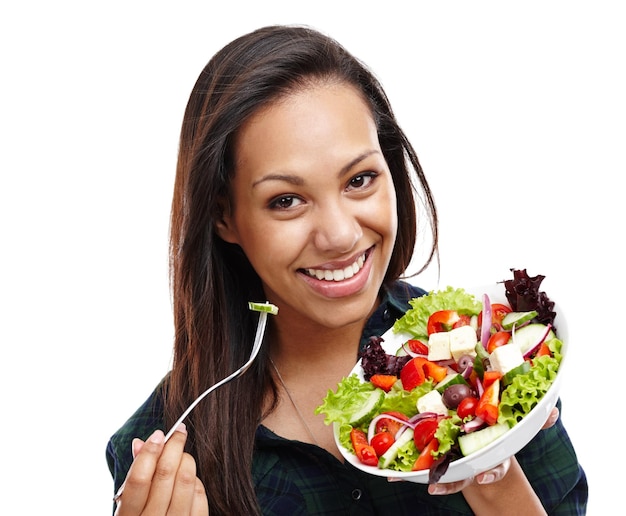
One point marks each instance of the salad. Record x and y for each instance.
(467, 372)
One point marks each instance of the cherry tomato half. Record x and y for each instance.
(381, 442)
(467, 407)
(500, 338)
(390, 425)
(498, 311)
(424, 432)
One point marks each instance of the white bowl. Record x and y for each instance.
(499, 450)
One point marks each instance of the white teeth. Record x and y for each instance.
(338, 274)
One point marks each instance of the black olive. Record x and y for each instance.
(465, 361)
(453, 395)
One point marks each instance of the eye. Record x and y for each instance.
(362, 180)
(285, 202)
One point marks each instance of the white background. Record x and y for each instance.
(517, 114)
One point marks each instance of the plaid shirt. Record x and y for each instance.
(294, 478)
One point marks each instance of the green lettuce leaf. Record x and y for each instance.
(415, 320)
(525, 391)
(447, 433)
(397, 399)
(341, 405)
(407, 455)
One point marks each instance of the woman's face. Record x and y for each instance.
(313, 205)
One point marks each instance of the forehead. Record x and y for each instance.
(321, 119)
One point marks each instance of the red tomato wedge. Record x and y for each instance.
(364, 452)
(417, 346)
(425, 459)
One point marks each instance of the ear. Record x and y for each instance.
(225, 227)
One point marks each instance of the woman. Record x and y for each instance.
(294, 185)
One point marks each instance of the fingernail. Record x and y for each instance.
(157, 437)
(435, 489)
(136, 446)
(182, 428)
(486, 479)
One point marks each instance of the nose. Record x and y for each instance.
(337, 228)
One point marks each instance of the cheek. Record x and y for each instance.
(268, 246)
(386, 213)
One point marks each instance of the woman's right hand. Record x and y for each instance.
(162, 479)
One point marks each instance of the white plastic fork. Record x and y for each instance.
(263, 309)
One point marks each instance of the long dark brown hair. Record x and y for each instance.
(212, 281)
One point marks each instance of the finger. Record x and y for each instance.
(139, 479)
(184, 486)
(552, 418)
(487, 477)
(449, 487)
(200, 505)
(165, 472)
(494, 474)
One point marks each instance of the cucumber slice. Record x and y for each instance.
(451, 379)
(390, 455)
(517, 318)
(470, 443)
(528, 336)
(263, 307)
(523, 368)
(369, 409)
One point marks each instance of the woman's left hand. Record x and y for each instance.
(486, 477)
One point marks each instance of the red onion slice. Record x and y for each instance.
(485, 329)
(533, 349)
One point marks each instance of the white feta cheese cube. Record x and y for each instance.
(462, 342)
(439, 346)
(431, 402)
(505, 358)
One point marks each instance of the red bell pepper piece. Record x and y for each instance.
(364, 452)
(383, 381)
(416, 371)
(442, 320)
(544, 350)
(487, 408)
(489, 377)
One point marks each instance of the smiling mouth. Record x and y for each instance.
(337, 274)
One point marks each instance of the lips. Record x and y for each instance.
(338, 274)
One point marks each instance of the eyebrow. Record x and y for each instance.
(295, 180)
